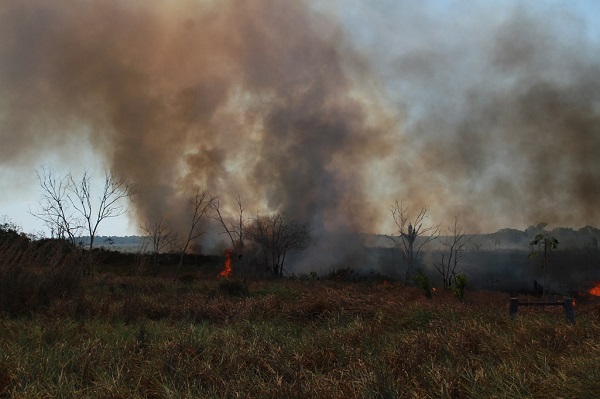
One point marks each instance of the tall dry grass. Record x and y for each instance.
(145, 337)
(109, 336)
(34, 274)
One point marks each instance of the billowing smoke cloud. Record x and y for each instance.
(502, 105)
(492, 115)
(235, 97)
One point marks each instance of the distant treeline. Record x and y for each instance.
(124, 244)
(568, 238)
(502, 239)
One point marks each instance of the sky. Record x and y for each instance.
(328, 111)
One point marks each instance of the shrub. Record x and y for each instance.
(307, 277)
(422, 281)
(460, 283)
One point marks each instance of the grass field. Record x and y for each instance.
(138, 336)
(150, 338)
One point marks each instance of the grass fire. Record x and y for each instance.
(595, 290)
(299, 199)
(228, 271)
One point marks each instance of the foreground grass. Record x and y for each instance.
(149, 338)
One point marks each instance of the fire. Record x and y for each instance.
(228, 271)
(596, 290)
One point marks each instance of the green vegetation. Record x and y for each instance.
(460, 282)
(422, 281)
(141, 336)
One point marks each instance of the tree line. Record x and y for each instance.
(70, 208)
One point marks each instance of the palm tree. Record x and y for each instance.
(550, 244)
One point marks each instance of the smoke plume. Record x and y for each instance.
(494, 116)
(502, 108)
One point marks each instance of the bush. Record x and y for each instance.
(422, 281)
(307, 277)
(460, 283)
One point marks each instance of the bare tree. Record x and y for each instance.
(276, 236)
(69, 207)
(476, 243)
(107, 205)
(55, 207)
(455, 243)
(199, 205)
(235, 229)
(161, 237)
(495, 244)
(412, 235)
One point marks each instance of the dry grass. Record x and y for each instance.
(149, 338)
(145, 337)
(35, 274)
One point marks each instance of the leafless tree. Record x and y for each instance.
(276, 236)
(412, 235)
(107, 205)
(69, 208)
(161, 237)
(200, 205)
(55, 207)
(454, 243)
(476, 243)
(495, 244)
(235, 229)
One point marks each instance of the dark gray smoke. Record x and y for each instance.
(492, 115)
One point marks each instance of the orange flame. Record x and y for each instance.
(228, 271)
(595, 291)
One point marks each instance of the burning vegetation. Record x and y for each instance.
(228, 270)
(316, 126)
(595, 291)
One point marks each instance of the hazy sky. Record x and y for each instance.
(329, 111)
